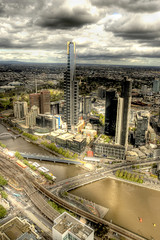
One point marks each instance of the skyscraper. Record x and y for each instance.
(156, 85)
(142, 124)
(122, 122)
(71, 89)
(45, 101)
(20, 109)
(110, 112)
(41, 100)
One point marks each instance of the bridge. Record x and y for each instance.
(8, 135)
(120, 230)
(50, 158)
(30, 180)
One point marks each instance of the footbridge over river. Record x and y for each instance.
(8, 135)
(50, 158)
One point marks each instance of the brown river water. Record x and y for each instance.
(126, 202)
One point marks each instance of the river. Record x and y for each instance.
(126, 202)
(60, 170)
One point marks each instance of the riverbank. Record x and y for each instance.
(144, 184)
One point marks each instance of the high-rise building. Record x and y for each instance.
(122, 122)
(110, 112)
(142, 123)
(55, 107)
(156, 85)
(45, 102)
(20, 109)
(31, 116)
(71, 89)
(34, 99)
(84, 106)
(102, 92)
(41, 100)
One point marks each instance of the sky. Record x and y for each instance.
(119, 32)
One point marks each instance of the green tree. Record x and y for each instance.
(3, 211)
(129, 176)
(132, 177)
(3, 181)
(136, 178)
(117, 173)
(18, 155)
(2, 145)
(4, 195)
(121, 174)
(125, 175)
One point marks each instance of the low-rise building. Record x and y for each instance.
(131, 156)
(76, 143)
(80, 125)
(141, 155)
(113, 150)
(62, 139)
(17, 229)
(67, 227)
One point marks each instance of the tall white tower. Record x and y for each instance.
(71, 89)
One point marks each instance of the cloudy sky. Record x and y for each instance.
(105, 31)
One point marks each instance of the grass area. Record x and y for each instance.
(59, 208)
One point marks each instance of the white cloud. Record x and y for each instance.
(116, 31)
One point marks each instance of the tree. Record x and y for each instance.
(75, 155)
(125, 175)
(121, 174)
(3, 211)
(117, 173)
(4, 195)
(3, 181)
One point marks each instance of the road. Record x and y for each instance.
(33, 188)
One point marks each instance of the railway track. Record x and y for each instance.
(87, 215)
(32, 189)
(8, 168)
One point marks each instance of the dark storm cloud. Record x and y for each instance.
(7, 43)
(135, 28)
(119, 56)
(150, 43)
(2, 11)
(64, 19)
(104, 56)
(34, 43)
(130, 5)
(133, 35)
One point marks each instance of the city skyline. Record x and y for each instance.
(105, 32)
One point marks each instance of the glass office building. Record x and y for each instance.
(71, 89)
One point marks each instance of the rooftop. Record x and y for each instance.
(65, 222)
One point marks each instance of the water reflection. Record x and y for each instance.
(126, 203)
